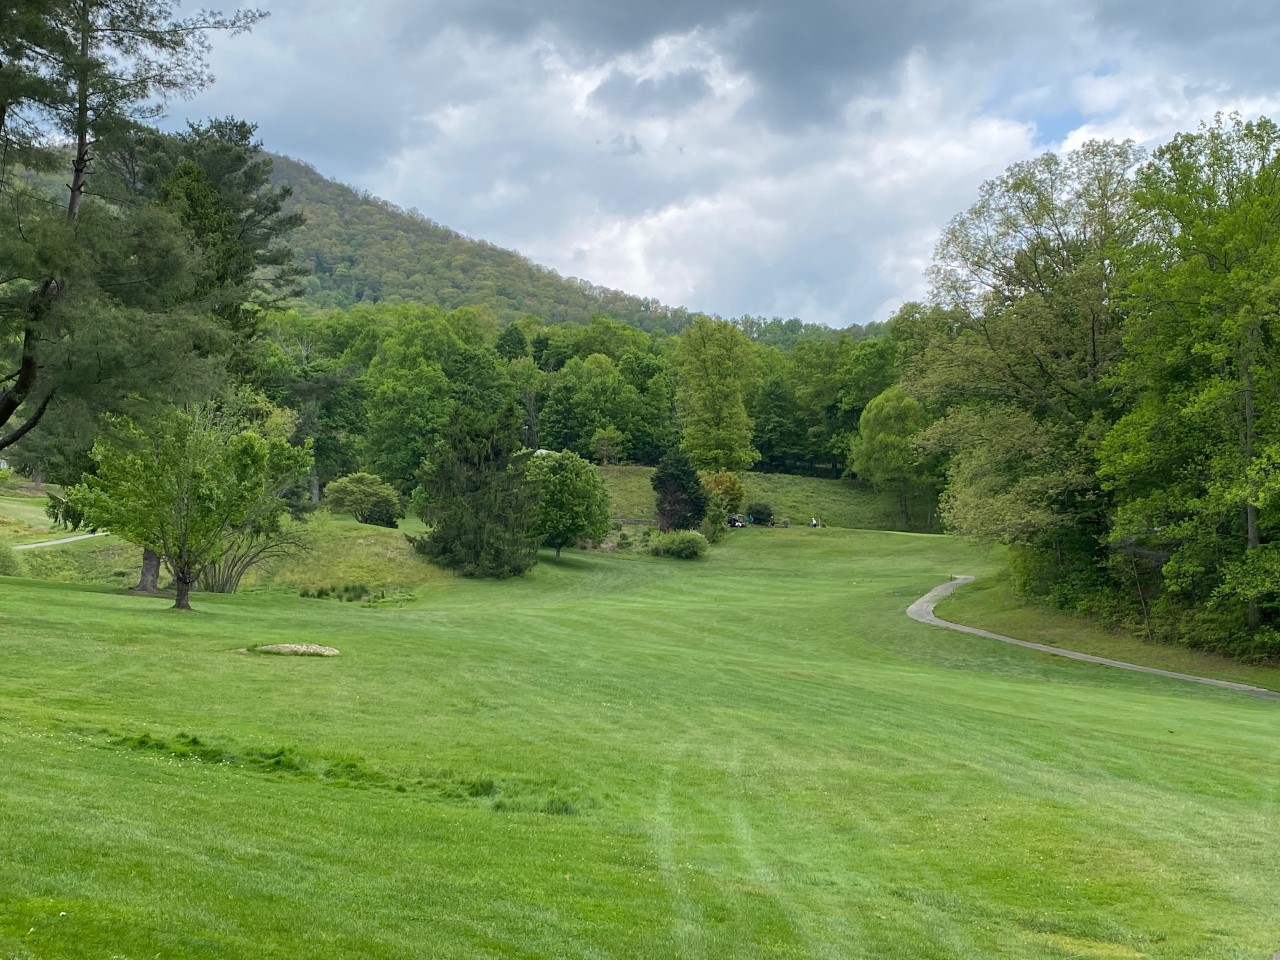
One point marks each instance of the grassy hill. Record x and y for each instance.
(837, 503)
(365, 250)
(617, 756)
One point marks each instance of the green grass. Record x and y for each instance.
(754, 756)
(838, 503)
(630, 492)
(23, 520)
(991, 604)
(342, 552)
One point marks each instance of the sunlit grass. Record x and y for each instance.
(618, 756)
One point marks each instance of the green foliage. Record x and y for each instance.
(63, 513)
(607, 444)
(196, 488)
(728, 486)
(760, 513)
(474, 497)
(99, 300)
(713, 524)
(1194, 462)
(679, 544)
(572, 500)
(884, 450)
(714, 358)
(681, 501)
(365, 497)
(364, 250)
(512, 343)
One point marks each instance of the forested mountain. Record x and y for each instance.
(365, 250)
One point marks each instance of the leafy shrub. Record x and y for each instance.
(760, 513)
(713, 524)
(729, 486)
(367, 498)
(681, 544)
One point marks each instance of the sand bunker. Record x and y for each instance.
(297, 650)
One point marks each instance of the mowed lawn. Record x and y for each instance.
(755, 755)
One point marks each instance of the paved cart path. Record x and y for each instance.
(57, 543)
(922, 610)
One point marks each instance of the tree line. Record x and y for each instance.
(1091, 381)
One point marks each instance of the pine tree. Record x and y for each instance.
(473, 495)
(682, 503)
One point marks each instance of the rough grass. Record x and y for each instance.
(102, 560)
(756, 756)
(345, 552)
(342, 552)
(23, 520)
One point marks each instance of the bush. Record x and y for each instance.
(713, 524)
(681, 544)
(366, 497)
(760, 513)
(729, 486)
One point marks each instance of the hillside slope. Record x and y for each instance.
(363, 249)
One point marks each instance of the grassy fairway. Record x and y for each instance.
(753, 756)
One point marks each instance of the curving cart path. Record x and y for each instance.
(922, 610)
(57, 543)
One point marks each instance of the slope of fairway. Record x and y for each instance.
(838, 503)
(753, 756)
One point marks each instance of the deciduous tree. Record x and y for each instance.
(572, 500)
(198, 489)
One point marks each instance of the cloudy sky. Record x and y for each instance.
(792, 159)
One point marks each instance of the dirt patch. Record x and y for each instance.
(294, 650)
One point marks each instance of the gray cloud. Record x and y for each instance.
(627, 94)
(732, 157)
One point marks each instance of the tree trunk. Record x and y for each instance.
(80, 164)
(315, 489)
(183, 601)
(37, 479)
(149, 579)
(557, 553)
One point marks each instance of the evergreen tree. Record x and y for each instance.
(87, 302)
(682, 501)
(474, 496)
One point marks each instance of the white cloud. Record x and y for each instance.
(653, 150)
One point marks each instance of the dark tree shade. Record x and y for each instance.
(682, 503)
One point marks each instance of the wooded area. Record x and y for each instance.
(1092, 380)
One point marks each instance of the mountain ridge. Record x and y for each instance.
(364, 249)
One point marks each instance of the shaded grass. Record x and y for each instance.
(773, 762)
(990, 603)
(838, 503)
